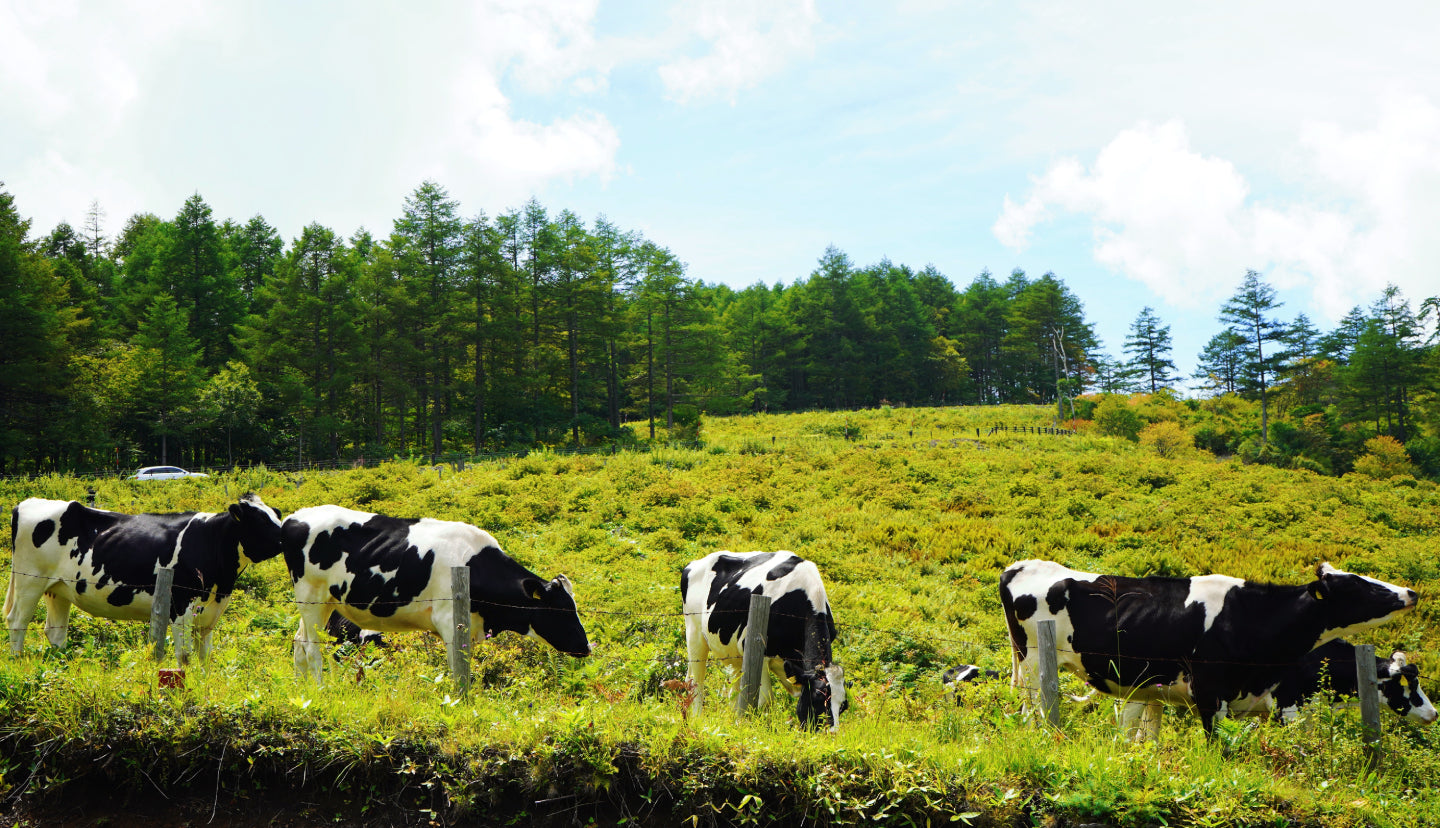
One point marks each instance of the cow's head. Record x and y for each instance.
(555, 619)
(1400, 685)
(259, 528)
(1351, 603)
(822, 697)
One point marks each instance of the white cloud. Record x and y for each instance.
(60, 61)
(1187, 226)
(749, 40)
(543, 47)
(519, 154)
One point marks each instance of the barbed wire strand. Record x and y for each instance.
(959, 643)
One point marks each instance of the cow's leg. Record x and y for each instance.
(697, 652)
(21, 598)
(1208, 711)
(1025, 673)
(762, 701)
(735, 686)
(308, 638)
(57, 619)
(204, 627)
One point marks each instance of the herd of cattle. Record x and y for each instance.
(1214, 644)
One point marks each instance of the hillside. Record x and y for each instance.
(909, 513)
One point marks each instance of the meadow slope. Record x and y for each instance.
(910, 514)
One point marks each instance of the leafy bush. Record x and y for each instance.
(1167, 438)
(1116, 417)
(1386, 459)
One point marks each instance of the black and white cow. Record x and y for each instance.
(393, 574)
(105, 563)
(345, 631)
(715, 595)
(1330, 670)
(1327, 670)
(955, 678)
(1200, 642)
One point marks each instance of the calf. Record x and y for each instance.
(345, 631)
(715, 594)
(105, 563)
(1327, 669)
(1201, 642)
(955, 678)
(1330, 669)
(391, 574)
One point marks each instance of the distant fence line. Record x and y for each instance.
(1002, 427)
(460, 460)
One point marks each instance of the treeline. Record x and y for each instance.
(205, 342)
(1321, 398)
(214, 342)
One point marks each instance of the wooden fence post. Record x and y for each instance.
(160, 611)
(459, 650)
(1369, 687)
(1049, 672)
(752, 672)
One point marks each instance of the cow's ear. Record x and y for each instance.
(235, 510)
(533, 587)
(1319, 589)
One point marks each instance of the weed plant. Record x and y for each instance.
(910, 515)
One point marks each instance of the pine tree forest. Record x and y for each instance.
(210, 343)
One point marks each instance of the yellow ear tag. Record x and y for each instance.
(535, 595)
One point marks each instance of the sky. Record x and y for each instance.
(1148, 154)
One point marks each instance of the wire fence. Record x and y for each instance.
(973, 649)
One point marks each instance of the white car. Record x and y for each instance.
(164, 473)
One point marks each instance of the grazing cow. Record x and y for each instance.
(715, 594)
(955, 678)
(1328, 669)
(345, 631)
(105, 563)
(1199, 642)
(392, 574)
(966, 673)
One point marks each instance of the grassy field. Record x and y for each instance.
(910, 514)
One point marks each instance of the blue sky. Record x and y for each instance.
(1146, 153)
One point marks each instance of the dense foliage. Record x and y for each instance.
(215, 343)
(910, 513)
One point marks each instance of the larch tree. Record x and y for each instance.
(1149, 348)
(1250, 314)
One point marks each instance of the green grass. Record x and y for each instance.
(910, 517)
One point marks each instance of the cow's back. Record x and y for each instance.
(376, 565)
(715, 597)
(1122, 635)
(102, 562)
